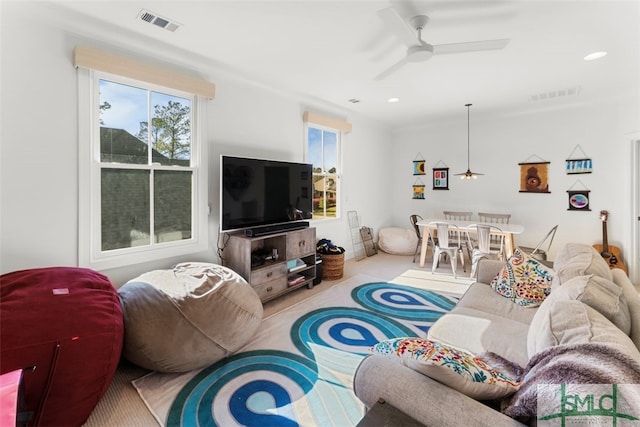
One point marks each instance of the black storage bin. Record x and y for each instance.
(318, 278)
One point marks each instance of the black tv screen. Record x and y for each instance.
(259, 192)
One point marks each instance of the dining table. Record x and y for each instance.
(508, 231)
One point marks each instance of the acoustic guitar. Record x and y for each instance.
(610, 253)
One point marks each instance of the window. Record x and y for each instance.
(147, 190)
(323, 151)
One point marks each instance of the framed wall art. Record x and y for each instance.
(578, 199)
(534, 177)
(578, 165)
(440, 178)
(418, 189)
(575, 166)
(418, 165)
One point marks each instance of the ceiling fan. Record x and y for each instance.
(419, 50)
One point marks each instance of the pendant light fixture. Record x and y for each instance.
(468, 174)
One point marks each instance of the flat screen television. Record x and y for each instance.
(259, 192)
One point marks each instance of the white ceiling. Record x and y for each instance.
(333, 50)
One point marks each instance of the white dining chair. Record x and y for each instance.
(494, 218)
(459, 216)
(481, 245)
(444, 245)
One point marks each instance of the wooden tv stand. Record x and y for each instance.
(273, 278)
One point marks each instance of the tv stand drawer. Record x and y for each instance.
(266, 274)
(271, 289)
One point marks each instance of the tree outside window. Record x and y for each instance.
(146, 194)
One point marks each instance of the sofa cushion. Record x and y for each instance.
(523, 280)
(560, 321)
(481, 296)
(621, 279)
(600, 294)
(479, 332)
(578, 259)
(458, 369)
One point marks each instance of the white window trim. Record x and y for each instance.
(90, 254)
(341, 135)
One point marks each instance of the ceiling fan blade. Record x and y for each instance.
(395, 67)
(441, 49)
(398, 26)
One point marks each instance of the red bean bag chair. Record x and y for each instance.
(63, 326)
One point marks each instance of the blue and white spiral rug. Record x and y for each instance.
(298, 369)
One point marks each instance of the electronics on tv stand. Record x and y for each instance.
(277, 228)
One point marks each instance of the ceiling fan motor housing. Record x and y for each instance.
(419, 53)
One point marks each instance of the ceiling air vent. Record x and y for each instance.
(572, 91)
(159, 21)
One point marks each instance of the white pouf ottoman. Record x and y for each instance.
(187, 317)
(397, 241)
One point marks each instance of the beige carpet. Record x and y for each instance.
(434, 281)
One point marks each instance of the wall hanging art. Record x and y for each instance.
(534, 176)
(578, 199)
(578, 165)
(418, 165)
(418, 189)
(440, 177)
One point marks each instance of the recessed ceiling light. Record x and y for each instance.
(392, 100)
(594, 55)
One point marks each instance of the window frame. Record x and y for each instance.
(90, 253)
(339, 139)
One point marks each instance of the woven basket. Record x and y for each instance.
(332, 266)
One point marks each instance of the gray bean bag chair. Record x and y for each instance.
(187, 317)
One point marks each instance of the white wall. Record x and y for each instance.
(39, 137)
(39, 146)
(498, 144)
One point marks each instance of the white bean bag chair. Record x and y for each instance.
(397, 241)
(187, 317)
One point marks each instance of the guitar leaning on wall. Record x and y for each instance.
(610, 253)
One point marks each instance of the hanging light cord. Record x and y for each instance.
(468, 137)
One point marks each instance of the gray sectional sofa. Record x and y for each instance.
(589, 307)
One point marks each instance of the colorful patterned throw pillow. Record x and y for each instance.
(523, 280)
(453, 367)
